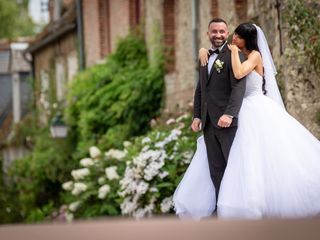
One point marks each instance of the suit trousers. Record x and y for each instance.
(218, 143)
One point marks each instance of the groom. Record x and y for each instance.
(217, 101)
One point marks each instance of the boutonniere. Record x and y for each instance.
(218, 65)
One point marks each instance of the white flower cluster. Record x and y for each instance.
(141, 172)
(103, 191)
(111, 173)
(143, 186)
(74, 206)
(187, 157)
(68, 186)
(134, 185)
(166, 204)
(80, 173)
(94, 152)
(86, 162)
(175, 133)
(116, 154)
(79, 187)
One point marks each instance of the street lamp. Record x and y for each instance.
(58, 128)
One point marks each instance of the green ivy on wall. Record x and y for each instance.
(304, 28)
(110, 102)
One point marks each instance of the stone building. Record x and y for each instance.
(15, 87)
(83, 32)
(15, 95)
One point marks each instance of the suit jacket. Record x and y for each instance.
(219, 93)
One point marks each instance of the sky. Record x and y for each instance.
(35, 11)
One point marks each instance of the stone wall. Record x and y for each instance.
(46, 60)
(299, 84)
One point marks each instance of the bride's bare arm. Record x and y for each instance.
(203, 56)
(241, 70)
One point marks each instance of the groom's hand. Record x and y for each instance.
(225, 121)
(195, 126)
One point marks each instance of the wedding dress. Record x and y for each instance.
(273, 167)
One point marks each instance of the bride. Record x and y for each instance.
(274, 163)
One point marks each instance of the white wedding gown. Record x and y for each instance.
(273, 168)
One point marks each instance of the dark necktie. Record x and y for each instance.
(211, 51)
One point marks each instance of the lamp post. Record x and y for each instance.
(58, 128)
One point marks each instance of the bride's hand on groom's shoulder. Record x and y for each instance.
(233, 47)
(203, 56)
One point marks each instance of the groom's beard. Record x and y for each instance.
(217, 42)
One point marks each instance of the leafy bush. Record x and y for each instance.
(93, 190)
(113, 101)
(147, 172)
(37, 178)
(9, 211)
(106, 104)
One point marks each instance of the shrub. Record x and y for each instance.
(113, 101)
(149, 170)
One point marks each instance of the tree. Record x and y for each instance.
(14, 19)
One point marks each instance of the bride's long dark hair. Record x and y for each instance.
(248, 32)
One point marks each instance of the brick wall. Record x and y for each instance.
(134, 13)
(241, 9)
(105, 21)
(91, 31)
(104, 27)
(214, 8)
(169, 34)
(119, 20)
(45, 62)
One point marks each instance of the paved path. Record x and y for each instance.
(166, 228)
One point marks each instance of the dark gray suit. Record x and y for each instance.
(216, 94)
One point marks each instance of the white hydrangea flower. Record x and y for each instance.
(67, 185)
(111, 173)
(158, 135)
(140, 161)
(116, 154)
(174, 134)
(142, 187)
(74, 206)
(139, 213)
(145, 148)
(150, 207)
(94, 152)
(153, 189)
(127, 144)
(103, 191)
(80, 173)
(79, 187)
(145, 140)
(86, 162)
(166, 204)
(163, 174)
(187, 157)
(156, 161)
(128, 206)
(160, 144)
